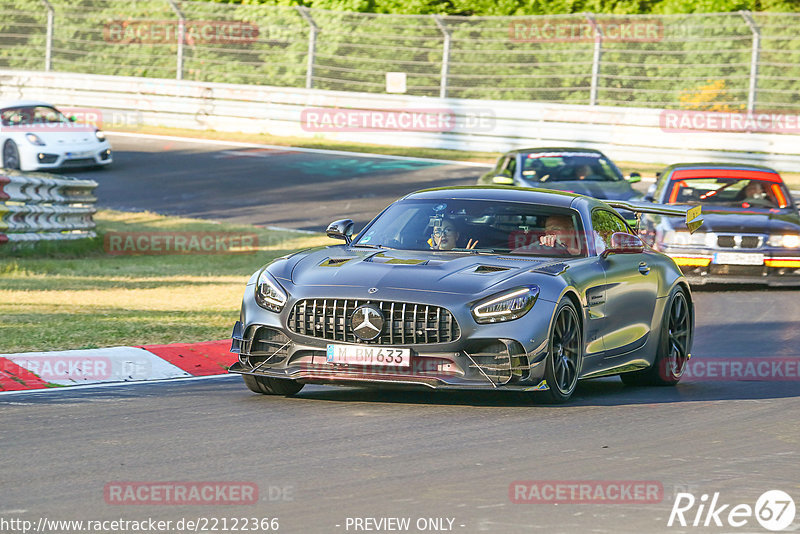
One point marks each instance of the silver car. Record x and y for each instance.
(470, 288)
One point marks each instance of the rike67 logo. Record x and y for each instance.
(774, 510)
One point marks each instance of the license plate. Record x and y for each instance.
(738, 258)
(367, 355)
(77, 155)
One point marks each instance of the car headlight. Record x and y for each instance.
(269, 293)
(784, 241)
(34, 139)
(680, 238)
(100, 134)
(505, 306)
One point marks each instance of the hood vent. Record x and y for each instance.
(384, 258)
(554, 269)
(334, 262)
(482, 269)
(535, 260)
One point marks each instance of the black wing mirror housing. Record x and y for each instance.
(341, 229)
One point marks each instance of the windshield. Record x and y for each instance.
(545, 167)
(477, 226)
(28, 115)
(729, 192)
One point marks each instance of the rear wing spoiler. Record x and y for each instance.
(690, 213)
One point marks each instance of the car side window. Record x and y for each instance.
(661, 183)
(605, 224)
(509, 165)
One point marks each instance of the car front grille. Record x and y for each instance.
(739, 241)
(405, 323)
(79, 162)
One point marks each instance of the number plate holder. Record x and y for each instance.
(738, 258)
(368, 355)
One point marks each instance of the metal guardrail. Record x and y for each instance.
(42, 207)
(624, 134)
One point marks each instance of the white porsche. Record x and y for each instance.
(37, 136)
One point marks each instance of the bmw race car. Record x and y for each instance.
(751, 229)
(36, 136)
(475, 288)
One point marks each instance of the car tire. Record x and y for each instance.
(675, 336)
(271, 386)
(565, 353)
(10, 155)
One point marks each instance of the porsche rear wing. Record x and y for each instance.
(690, 213)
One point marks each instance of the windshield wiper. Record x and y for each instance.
(366, 245)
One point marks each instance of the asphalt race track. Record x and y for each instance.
(286, 188)
(331, 456)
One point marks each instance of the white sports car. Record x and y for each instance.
(36, 136)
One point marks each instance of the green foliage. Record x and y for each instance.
(493, 57)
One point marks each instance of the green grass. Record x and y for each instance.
(77, 296)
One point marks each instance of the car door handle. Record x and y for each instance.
(644, 268)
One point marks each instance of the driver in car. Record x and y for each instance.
(582, 172)
(559, 233)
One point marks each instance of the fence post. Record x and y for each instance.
(598, 51)
(312, 44)
(445, 56)
(48, 47)
(181, 38)
(751, 93)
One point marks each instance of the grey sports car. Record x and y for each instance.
(576, 170)
(476, 288)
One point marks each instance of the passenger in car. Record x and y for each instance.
(446, 236)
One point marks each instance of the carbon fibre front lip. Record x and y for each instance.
(351, 378)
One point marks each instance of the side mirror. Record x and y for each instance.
(634, 177)
(650, 196)
(502, 179)
(622, 243)
(342, 229)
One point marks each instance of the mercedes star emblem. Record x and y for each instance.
(367, 321)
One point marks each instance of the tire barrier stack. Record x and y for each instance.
(44, 207)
